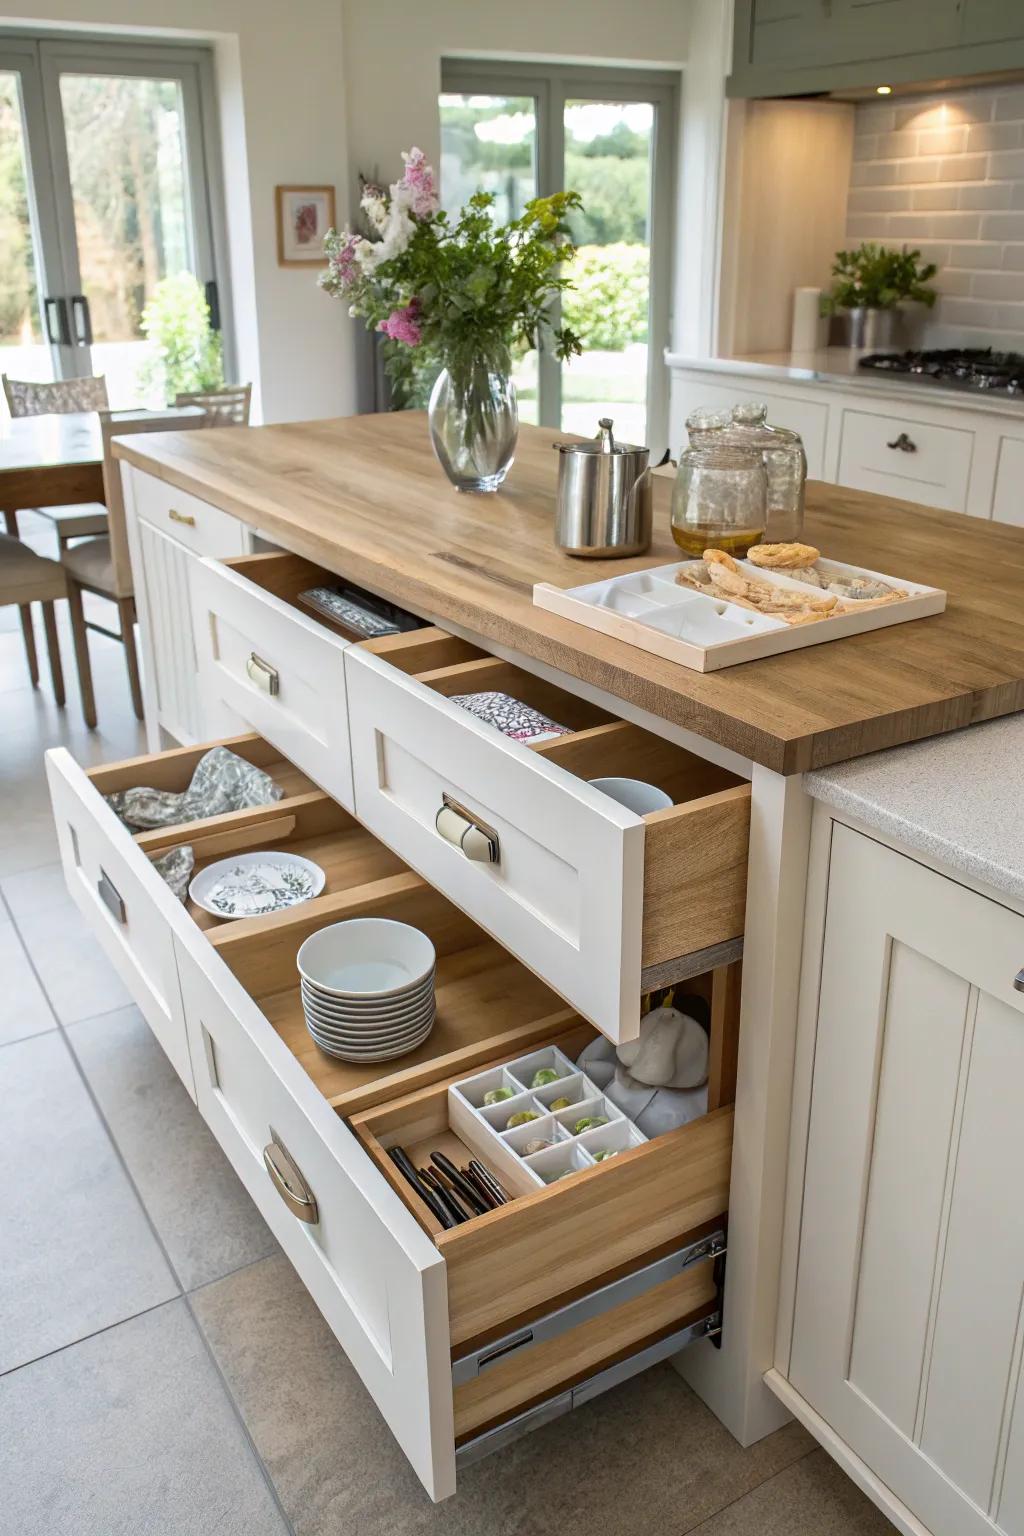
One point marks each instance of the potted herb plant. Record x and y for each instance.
(464, 290)
(872, 286)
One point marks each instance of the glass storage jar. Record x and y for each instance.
(785, 464)
(720, 498)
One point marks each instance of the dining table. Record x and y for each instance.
(49, 461)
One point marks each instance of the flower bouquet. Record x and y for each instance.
(464, 290)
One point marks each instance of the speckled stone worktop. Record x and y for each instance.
(957, 798)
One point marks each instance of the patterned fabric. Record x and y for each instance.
(227, 407)
(221, 782)
(175, 867)
(59, 399)
(510, 716)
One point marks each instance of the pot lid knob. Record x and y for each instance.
(605, 434)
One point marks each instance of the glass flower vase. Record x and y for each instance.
(474, 425)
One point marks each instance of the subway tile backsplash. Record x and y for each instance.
(946, 172)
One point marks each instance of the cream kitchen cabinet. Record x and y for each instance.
(906, 1242)
(168, 533)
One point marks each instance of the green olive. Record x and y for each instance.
(496, 1095)
(589, 1123)
(562, 1103)
(523, 1117)
(600, 1157)
(543, 1076)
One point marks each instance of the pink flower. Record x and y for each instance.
(343, 261)
(418, 181)
(401, 325)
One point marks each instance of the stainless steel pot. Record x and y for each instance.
(605, 497)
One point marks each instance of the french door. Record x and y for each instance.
(526, 131)
(105, 192)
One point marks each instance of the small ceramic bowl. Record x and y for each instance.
(634, 794)
(366, 957)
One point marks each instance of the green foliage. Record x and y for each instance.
(615, 195)
(18, 299)
(188, 353)
(876, 277)
(608, 303)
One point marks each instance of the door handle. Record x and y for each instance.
(111, 897)
(56, 310)
(903, 443)
(185, 518)
(263, 674)
(287, 1179)
(82, 320)
(213, 300)
(1018, 981)
(464, 830)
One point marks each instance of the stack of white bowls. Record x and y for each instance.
(368, 988)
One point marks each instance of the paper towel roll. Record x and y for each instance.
(808, 326)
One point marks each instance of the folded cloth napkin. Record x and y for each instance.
(222, 782)
(176, 866)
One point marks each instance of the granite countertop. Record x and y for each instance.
(837, 366)
(957, 798)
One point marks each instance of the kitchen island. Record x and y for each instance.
(596, 903)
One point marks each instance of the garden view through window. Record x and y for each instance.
(605, 150)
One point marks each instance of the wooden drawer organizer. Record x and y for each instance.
(464, 1337)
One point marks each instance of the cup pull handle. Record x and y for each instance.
(181, 517)
(464, 830)
(287, 1179)
(1018, 981)
(263, 674)
(111, 897)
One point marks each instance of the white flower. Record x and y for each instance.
(375, 207)
(396, 233)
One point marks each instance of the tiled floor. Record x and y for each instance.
(162, 1372)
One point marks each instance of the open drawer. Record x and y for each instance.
(266, 663)
(606, 1271)
(601, 902)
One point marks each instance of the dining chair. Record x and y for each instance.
(227, 407)
(60, 398)
(103, 566)
(27, 578)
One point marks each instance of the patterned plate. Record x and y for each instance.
(252, 884)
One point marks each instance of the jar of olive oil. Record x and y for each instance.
(720, 498)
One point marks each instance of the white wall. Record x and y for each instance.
(281, 72)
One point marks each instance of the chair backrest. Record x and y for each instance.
(57, 399)
(121, 424)
(227, 407)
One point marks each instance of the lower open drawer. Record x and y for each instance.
(462, 1337)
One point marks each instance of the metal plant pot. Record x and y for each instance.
(874, 330)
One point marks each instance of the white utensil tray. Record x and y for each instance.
(650, 610)
(483, 1127)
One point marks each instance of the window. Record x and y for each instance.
(522, 131)
(105, 192)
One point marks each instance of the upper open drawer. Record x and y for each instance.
(601, 902)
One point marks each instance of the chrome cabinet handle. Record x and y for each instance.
(286, 1177)
(903, 443)
(111, 897)
(1018, 981)
(263, 674)
(464, 830)
(181, 517)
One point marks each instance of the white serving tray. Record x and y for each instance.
(650, 610)
(483, 1127)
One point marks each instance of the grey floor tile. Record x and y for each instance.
(32, 891)
(812, 1498)
(129, 1433)
(644, 1460)
(75, 973)
(205, 1218)
(79, 1254)
(24, 1010)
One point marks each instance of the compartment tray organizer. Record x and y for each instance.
(485, 1129)
(650, 610)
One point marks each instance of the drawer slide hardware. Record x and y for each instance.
(464, 829)
(111, 897)
(286, 1177)
(263, 674)
(544, 1413)
(184, 518)
(466, 1367)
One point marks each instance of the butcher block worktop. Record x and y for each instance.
(365, 497)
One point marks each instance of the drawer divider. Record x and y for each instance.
(594, 1304)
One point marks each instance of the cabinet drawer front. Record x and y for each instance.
(566, 892)
(203, 529)
(899, 456)
(376, 1277)
(124, 900)
(281, 673)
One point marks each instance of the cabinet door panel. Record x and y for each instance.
(908, 1322)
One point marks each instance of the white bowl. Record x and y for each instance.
(635, 794)
(364, 1057)
(359, 1036)
(370, 1012)
(365, 958)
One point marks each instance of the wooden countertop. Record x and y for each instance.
(365, 497)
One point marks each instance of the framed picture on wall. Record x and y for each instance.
(304, 215)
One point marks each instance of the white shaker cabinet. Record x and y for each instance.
(908, 1325)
